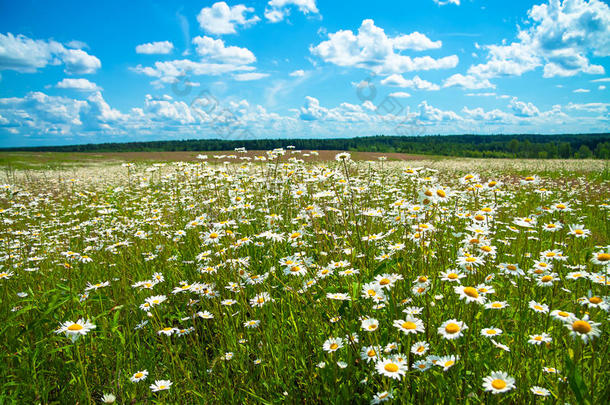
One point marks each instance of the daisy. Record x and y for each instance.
(139, 376)
(562, 315)
(420, 348)
(497, 382)
(370, 324)
(583, 328)
(543, 392)
(392, 368)
(579, 231)
(370, 353)
(447, 361)
(496, 305)
(76, 329)
(260, 299)
(452, 276)
(160, 385)
(540, 338)
(601, 258)
(381, 397)
(452, 329)
(253, 323)
(421, 365)
(542, 308)
(410, 325)
(332, 344)
(470, 294)
(491, 332)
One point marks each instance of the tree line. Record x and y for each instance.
(567, 146)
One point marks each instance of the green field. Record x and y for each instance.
(297, 280)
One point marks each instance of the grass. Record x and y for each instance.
(322, 239)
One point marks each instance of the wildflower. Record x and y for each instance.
(579, 231)
(491, 332)
(370, 353)
(139, 376)
(160, 385)
(75, 329)
(332, 344)
(420, 348)
(391, 367)
(381, 397)
(452, 329)
(108, 398)
(583, 328)
(447, 361)
(543, 392)
(540, 338)
(410, 325)
(542, 308)
(470, 294)
(253, 323)
(497, 382)
(421, 365)
(370, 324)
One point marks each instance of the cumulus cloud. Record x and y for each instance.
(26, 55)
(216, 59)
(372, 49)
(155, 48)
(298, 73)
(77, 84)
(277, 10)
(523, 109)
(581, 91)
(469, 82)
(400, 94)
(560, 38)
(221, 19)
(244, 77)
(415, 83)
(445, 2)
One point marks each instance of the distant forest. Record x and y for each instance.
(579, 146)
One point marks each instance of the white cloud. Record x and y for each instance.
(560, 37)
(77, 84)
(222, 19)
(26, 55)
(601, 87)
(581, 91)
(372, 49)
(298, 73)
(469, 82)
(415, 83)
(152, 48)
(243, 77)
(480, 114)
(602, 80)
(277, 10)
(445, 2)
(415, 41)
(480, 94)
(215, 49)
(400, 94)
(522, 109)
(216, 59)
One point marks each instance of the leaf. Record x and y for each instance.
(577, 385)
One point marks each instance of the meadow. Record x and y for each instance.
(271, 277)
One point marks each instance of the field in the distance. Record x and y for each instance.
(170, 278)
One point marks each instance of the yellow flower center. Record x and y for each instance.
(595, 300)
(471, 259)
(371, 293)
(213, 235)
(529, 178)
(422, 279)
(138, 375)
(486, 248)
(371, 353)
(511, 267)
(391, 367)
(441, 193)
(479, 217)
(334, 346)
(471, 292)
(384, 281)
(563, 314)
(452, 276)
(578, 231)
(409, 325)
(603, 257)
(581, 327)
(449, 363)
(75, 327)
(491, 332)
(546, 279)
(498, 384)
(452, 328)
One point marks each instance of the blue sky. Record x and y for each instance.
(82, 72)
